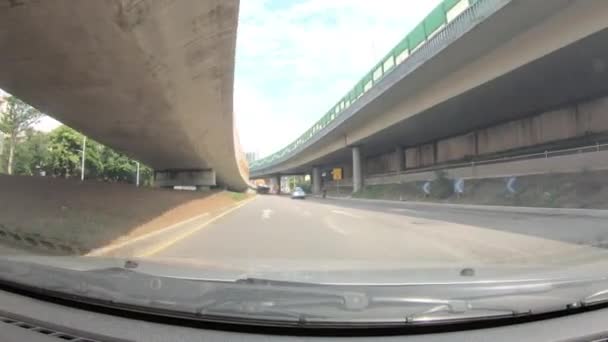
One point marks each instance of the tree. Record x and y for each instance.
(32, 154)
(102, 163)
(64, 146)
(58, 154)
(15, 119)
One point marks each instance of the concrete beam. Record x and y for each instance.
(197, 178)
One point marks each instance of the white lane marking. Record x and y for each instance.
(335, 228)
(302, 211)
(125, 240)
(346, 213)
(266, 214)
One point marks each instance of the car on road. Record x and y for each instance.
(262, 189)
(298, 193)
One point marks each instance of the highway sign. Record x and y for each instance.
(337, 173)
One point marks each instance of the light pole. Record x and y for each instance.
(84, 149)
(137, 176)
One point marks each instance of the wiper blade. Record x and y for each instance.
(462, 312)
(280, 303)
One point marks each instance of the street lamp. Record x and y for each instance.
(137, 176)
(84, 149)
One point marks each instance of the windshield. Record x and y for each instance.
(306, 161)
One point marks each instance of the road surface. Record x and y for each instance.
(277, 232)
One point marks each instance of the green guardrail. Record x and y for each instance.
(440, 16)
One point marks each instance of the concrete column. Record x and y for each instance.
(316, 180)
(400, 158)
(277, 181)
(357, 170)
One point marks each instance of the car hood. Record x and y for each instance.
(327, 272)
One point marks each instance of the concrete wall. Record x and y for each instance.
(412, 157)
(507, 136)
(570, 122)
(543, 128)
(592, 117)
(427, 154)
(555, 125)
(419, 156)
(456, 148)
(579, 162)
(382, 163)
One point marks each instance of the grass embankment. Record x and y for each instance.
(94, 214)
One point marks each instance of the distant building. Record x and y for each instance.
(251, 156)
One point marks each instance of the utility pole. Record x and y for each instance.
(137, 176)
(84, 149)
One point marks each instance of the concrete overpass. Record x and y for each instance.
(459, 92)
(150, 78)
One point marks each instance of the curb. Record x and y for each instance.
(150, 243)
(599, 213)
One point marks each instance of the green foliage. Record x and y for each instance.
(31, 155)
(306, 186)
(64, 152)
(441, 186)
(59, 154)
(16, 118)
(372, 192)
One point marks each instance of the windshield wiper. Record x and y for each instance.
(406, 310)
(284, 303)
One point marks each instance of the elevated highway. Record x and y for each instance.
(495, 62)
(150, 78)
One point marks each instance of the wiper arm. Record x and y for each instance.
(461, 311)
(283, 303)
(415, 310)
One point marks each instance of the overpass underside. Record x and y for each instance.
(152, 79)
(535, 85)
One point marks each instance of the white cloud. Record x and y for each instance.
(295, 61)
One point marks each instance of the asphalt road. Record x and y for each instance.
(276, 232)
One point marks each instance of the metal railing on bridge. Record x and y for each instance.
(433, 24)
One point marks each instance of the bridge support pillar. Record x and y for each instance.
(277, 182)
(316, 180)
(357, 169)
(201, 179)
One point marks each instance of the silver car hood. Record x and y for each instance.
(327, 272)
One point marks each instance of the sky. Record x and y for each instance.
(296, 58)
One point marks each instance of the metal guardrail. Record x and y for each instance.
(417, 45)
(546, 154)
